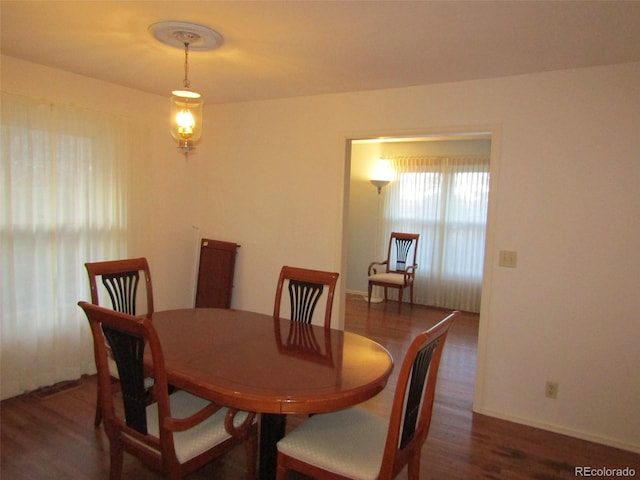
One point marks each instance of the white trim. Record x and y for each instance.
(552, 427)
(487, 274)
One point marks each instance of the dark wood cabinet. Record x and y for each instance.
(215, 273)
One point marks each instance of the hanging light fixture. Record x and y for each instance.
(186, 105)
(186, 110)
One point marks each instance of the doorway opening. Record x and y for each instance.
(362, 205)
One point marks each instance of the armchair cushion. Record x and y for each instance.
(348, 442)
(395, 278)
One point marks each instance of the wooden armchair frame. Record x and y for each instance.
(120, 279)
(400, 273)
(167, 443)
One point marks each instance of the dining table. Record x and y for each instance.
(259, 363)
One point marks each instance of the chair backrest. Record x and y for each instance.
(305, 289)
(413, 399)
(120, 279)
(127, 336)
(402, 251)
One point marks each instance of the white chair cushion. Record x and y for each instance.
(395, 278)
(198, 439)
(349, 442)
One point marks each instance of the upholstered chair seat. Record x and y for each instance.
(395, 278)
(349, 443)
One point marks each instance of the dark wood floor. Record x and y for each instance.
(50, 434)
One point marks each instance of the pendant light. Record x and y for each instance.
(186, 110)
(186, 105)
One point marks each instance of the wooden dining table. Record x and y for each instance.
(254, 362)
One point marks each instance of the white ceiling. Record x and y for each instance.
(276, 49)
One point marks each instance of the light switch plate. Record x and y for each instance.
(508, 258)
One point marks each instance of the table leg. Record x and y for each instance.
(272, 428)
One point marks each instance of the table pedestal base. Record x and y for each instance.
(272, 429)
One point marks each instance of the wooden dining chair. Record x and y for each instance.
(356, 444)
(120, 279)
(305, 289)
(399, 268)
(176, 434)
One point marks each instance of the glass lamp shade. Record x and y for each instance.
(186, 118)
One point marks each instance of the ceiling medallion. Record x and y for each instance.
(176, 34)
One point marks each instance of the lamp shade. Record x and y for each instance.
(382, 174)
(186, 118)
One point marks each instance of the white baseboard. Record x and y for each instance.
(356, 292)
(365, 296)
(611, 442)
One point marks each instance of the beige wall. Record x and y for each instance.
(270, 175)
(564, 196)
(364, 206)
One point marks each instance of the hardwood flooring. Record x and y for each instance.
(49, 434)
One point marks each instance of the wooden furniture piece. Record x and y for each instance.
(120, 280)
(356, 444)
(215, 273)
(305, 289)
(232, 357)
(399, 266)
(176, 434)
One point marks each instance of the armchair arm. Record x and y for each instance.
(181, 424)
(410, 272)
(239, 432)
(372, 270)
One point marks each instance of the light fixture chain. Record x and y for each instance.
(186, 65)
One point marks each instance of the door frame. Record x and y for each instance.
(494, 133)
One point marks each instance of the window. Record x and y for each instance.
(63, 204)
(445, 200)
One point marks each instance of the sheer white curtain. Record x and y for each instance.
(445, 200)
(63, 203)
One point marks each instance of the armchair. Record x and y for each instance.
(399, 268)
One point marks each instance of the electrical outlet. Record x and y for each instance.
(551, 390)
(508, 258)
